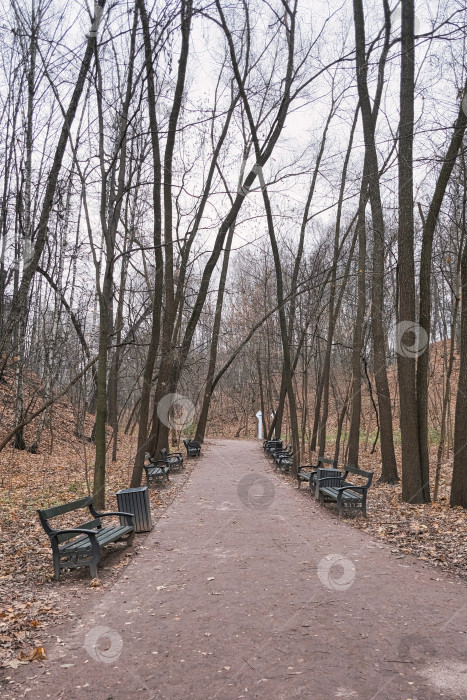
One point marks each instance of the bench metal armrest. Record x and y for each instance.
(129, 516)
(74, 531)
(350, 487)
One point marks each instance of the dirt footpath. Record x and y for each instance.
(249, 589)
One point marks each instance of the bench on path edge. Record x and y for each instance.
(311, 469)
(80, 546)
(270, 445)
(193, 448)
(279, 453)
(345, 493)
(173, 459)
(156, 471)
(284, 460)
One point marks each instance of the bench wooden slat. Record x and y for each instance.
(50, 513)
(91, 525)
(333, 492)
(104, 536)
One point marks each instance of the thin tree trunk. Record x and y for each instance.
(21, 295)
(167, 381)
(203, 417)
(459, 473)
(357, 347)
(332, 316)
(425, 286)
(111, 203)
(389, 467)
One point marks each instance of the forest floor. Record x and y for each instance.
(30, 602)
(246, 587)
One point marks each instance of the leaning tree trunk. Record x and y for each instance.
(332, 316)
(203, 417)
(425, 281)
(284, 334)
(20, 297)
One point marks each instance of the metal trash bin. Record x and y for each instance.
(136, 501)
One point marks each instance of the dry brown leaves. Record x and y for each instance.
(434, 533)
(29, 600)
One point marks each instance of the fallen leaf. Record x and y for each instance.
(35, 654)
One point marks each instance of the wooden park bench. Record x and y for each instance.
(307, 472)
(270, 445)
(172, 459)
(283, 458)
(274, 447)
(81, 545)
(193, 448)
(157, 470)
(284, 462)
(345, 493)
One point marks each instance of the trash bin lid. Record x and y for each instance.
(135, 490)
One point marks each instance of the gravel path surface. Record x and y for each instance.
(247, 588)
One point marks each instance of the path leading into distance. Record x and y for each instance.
(238, 593)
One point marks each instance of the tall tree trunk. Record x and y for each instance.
(357, 346)
(332, 312)
(459, 473)
(284, 334)
(203, 417)
(157, 239)
(389, 467)
(111, 203)
(415, 485)
(429, 227)
(165, 383)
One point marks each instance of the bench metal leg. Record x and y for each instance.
(364, 505)
(130, 538)
(340, 505)
(56, 568)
